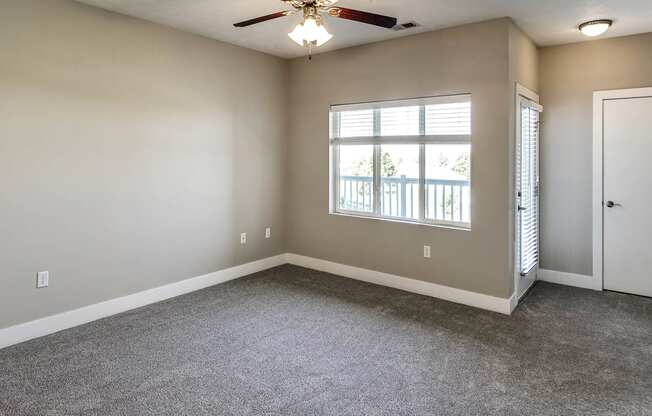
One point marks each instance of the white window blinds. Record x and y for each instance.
(423, 120)
(399, 121)
(448, 118)
(527, 181)
(356, 123)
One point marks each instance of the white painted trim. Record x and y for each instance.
(55, 323)
(478, 300)
(598, 174)
(527, 93)
(597, 186)
(513, 302)
(570, 279)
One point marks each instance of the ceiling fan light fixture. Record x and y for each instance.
(310, 32)
(595, 27)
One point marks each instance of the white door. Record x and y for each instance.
(527, 194)
(627, 205)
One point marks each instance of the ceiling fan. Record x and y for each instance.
(311, 31)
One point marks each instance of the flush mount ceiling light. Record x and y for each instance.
(311, 31)
(596, 27)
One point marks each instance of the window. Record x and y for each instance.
(408, 160)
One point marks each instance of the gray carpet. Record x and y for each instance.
(291, 341)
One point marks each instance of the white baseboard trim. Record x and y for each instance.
(478, 300)
(513, 302)
(569, 279)
(55, 323)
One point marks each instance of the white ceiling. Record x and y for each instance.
(548, 22)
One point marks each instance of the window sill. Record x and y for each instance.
(452, 226)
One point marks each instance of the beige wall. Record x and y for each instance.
(131, 156)
(468, 59)
(524, 59)
(569, 76)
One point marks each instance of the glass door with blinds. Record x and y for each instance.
(527, 193)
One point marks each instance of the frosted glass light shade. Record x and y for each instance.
(310, 32)
(595, 28)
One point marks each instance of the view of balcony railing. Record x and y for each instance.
(446, 200)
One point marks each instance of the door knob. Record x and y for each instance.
(611, 204)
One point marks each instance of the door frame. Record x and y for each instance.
(599, 97)
(521, 92)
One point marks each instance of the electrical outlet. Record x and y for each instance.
(426, 252)
(42, 279)
(243, 238)
(268, 232)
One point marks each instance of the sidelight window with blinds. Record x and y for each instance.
(527, 187)
(406, 160)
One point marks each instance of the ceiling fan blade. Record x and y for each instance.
(263, 18)
(364, 17)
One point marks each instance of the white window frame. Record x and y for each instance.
(377, 141)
